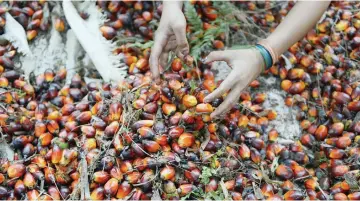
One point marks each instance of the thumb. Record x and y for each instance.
(216, 56)
(182, 49)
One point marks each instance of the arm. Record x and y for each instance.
(301, 18)
(247, 63)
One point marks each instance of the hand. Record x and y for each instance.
(246, 66)
(170, 36)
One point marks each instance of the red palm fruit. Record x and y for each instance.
(287, 185)
(336, 129)
(321, 132)
(286, 85)
(204, 108)
(209, 85)
(296, 73)
(336, 154)
(112, 129)
(186, 140)
(273, 135)
(142, 64)
(108, 32)
(146, 133)
(211, 186)
(133, 177)
(189, 101)
(218, 44)
(340, 196)
(284, 172)
(343, 142)
(39, 161)
(260, 98)
(116, 173)
(88, 131)
(167, 173)
(354, 106)
(19, 187)
(339, 170)
(297, 87)
(16, 170)
(142, 123)
(31, 34)
(118, 143)
(115, 111)
(168, 108)
(255, 156)
(53, 127)
(293, 195)
(175, 119)
(59, 25)
(97, 194)
(341, 98)
(299, 171)
(2, 178)
(49, 174)
(192, 175)
(84, 117)
(188, 117)
(185, 189)
(56, 154)
(4, 82)
(151, 146)
(126, 166)
(29, 180)
(32, 195)
(311, 184)
(151, 107)
(176, 65)
(162, 140)
(175, 132)
(354, 196)
(40, 128)
(54, 192)
(124, 190)
(244, 151)
(101, 177)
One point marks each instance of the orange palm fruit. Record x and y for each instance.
(29, 180)
(133, 177)
(343, 142)
(31, 34)
(168, 109)
(151, 146)
(339, 170)
(124, 190)
(354, 106)
(90, 144)
(293, 195)
(108, 32)
(97, 194)
(189, 101)
(186, 140)
(244, 151)
(142, 123)
(112, 129)
(167, 173)
(321, 132)
(56, 154)
(204, 108)
(284, 172)
(101, 177)
(185, 189)
(33, 195)
(16, 170)
(59, 25)
(218, 44)
(19, 187)
(84, 117)
(53, 127)
(176, 65)
(297, 87)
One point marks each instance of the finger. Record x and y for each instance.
(216, 56)
(160, 42)
(182, 49)
(229, 101)
(163, 59)
(171, 44)
(224, 87)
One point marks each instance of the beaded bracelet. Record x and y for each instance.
(266, 56)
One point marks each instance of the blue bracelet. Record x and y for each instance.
(266, 55)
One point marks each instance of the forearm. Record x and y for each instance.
(302, 17)
(169, 4)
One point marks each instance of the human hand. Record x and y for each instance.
(170, 36)
(246, 66)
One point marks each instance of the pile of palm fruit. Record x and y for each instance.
(140, 141)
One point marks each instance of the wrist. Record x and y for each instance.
(173, 4)
(260, 63)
